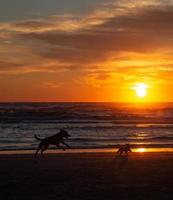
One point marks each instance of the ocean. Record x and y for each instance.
(91, 125)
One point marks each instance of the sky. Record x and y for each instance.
(86, 51)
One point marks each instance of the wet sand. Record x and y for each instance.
(86, 176)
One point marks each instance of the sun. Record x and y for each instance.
(141, 89)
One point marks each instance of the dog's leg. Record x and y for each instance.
(118, 152)
(36, 153)
(66, 144)
(60, 147)
(121, 153)
(43, 149)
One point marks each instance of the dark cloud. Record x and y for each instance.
(140, 31)
(144, 31)
(146, 20)
(7, 65)
(32, 25)
(107, 41)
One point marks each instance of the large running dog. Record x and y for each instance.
(56, 139)
(124, 148)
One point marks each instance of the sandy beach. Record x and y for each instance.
(84, 176)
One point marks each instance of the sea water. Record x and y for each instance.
(91, 125)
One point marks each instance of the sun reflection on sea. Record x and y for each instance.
(141, 150)
(147, 150)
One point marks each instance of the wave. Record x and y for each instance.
(91, 111)
(120, 139)
(90, 124)
(162, 138)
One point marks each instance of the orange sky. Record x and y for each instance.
(96, 55)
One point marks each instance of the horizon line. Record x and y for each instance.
(6, 102)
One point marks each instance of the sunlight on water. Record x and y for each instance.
(141, 150)
(99, 150)
(91, 125)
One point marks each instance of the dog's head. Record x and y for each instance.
(64, 133)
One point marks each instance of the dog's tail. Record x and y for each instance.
(36, 137)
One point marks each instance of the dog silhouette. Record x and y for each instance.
(124, 149)
(56, 140)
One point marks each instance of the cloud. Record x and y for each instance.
(48, 85)
(109, 38)
(142, 31)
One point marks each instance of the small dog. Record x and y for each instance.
(124, 148)
(52, 140)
